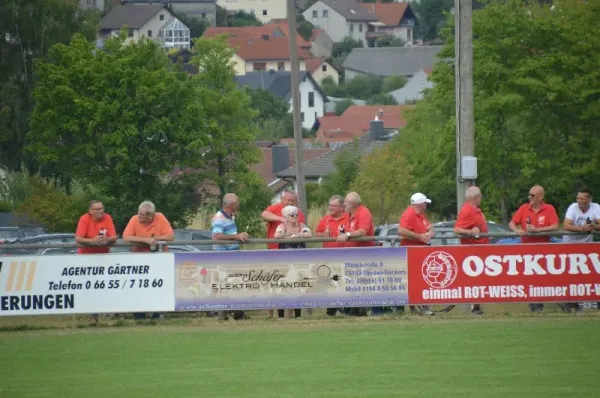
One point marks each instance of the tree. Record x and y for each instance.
(346, 164)
(343, 48)
(431, 15)
(382, 99)
(391, 83)
(383, 181)
(267, 104)
(196, 25)
(28, 28)
(305, 29)
(243, 18)
(363, 87)
(341, 106)
(390, 41)
(120, 120)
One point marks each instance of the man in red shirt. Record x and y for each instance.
(415, 229)
(359, 222)
(272, 215)
(535, 216)
(470, 223)
(333, 223)
(95, 230)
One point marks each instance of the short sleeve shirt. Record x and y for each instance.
(272, 225)
(88, 228)
(224, 224)
(158, 227)
(416, 223)
(580, 218)
(544, 217)
(470, 217)
(335, 226)
(361, 219)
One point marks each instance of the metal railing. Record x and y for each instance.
(390, 238)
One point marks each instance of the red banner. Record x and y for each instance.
(504, 273)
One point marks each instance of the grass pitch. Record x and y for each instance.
(554, 356)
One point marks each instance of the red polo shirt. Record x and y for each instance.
(414, 222)
(543, 217)
(272, 225)
(333, 224)
(87, 228)
(470, 217)
(361, 219)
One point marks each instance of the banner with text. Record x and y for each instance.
(504, 273)
(84, 284)
(308, 278)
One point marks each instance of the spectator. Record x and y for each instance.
(359, 223)
(95, 231)
(272, 215)
(146, 229)
(470, 223)
(582, 216)
(224, 228)
(534, 217)
(291, 228)
(332, 225)
(415, 229)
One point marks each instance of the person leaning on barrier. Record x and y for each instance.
(582, 216)
(95, 231)
(289, 229)
(471, 223)
(224, 228)
(533, 217)
(332, 225)
(146, 229)
(415, 229)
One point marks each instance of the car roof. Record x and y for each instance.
(44, 236)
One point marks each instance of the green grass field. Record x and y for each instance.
(533, 356)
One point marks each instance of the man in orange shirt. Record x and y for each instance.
(272, 215)
(470, 223)
(95, 230)
(415, 229)
(334, 222)
(147, 228)
(359, 222)
(532, 217)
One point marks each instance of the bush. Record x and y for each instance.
(341, 106)
(382, 99)
(391, 83)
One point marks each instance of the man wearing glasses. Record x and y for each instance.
(147, 228)
(533, 217)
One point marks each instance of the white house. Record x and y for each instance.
(264, 10)
(92, 5)
(201, 9)
(153, 21)
(312, 98)
(341, 18)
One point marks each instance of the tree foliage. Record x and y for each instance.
(341, 106)
(382, 99)
(391, 83)
(431, 15)
(305, 29)
(389, 41)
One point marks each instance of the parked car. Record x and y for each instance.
(195, 234)
(493, 227)
(7, 250)
(9, 234)
(172, 248)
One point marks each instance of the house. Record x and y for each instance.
(201, 9)
(262, 48)
(319, 167)
(414, 88)
(153, 21)
(320, 69)
(263, 10)
(341, 18)
(312, 98)
(321, 44)
(389, 61)
(276, 158)
(395, 19)
(92, 5)
(355, 122)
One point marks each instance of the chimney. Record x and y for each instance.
(377, 130)
(280, 157)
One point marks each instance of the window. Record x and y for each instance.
(325, 13)
(149, 33)
(311, 99)
(162, 17)
(302, 116)
(264, 13)
(324, 68)
(280, 65)
(203, 15)
(259, 66)
(360, 28)
(315, 14)
(351, 28)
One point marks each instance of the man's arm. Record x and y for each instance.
(241, 236)
(513, 227)
(407, 233)
(270, 217)
(569, 226)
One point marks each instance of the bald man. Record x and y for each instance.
(531, 218)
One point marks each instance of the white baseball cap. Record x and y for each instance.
(419, 198)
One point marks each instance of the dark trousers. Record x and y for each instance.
(142, 315)
(536, 307)
(297, 313)
(331, 311)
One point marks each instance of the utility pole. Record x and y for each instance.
(463, 65)
(299, 153)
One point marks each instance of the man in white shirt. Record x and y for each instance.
(582, 216)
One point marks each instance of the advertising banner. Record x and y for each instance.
(504, 273)
(308, 278)
(84, 284)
